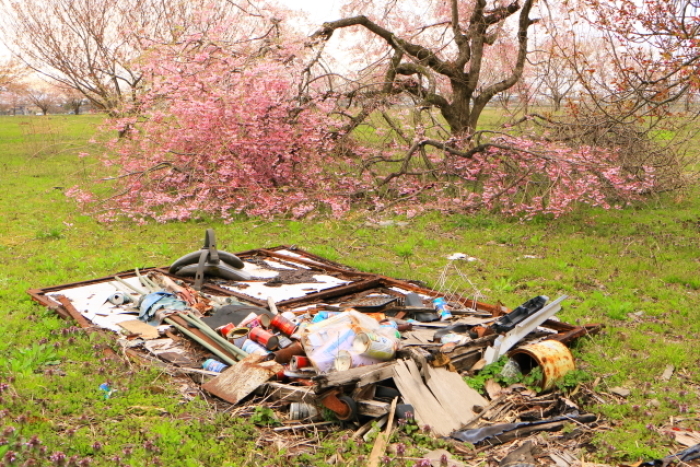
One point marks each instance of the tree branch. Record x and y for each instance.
(423, 54)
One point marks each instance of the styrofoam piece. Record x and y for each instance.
(91, 302)
(505, 342)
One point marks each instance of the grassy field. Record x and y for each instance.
(636, 271)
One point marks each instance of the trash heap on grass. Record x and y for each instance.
(305, 336)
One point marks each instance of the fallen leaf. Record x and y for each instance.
(493, 389)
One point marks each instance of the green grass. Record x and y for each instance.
(612, 264)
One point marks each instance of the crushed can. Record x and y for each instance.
(440, 306)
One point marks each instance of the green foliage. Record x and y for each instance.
(264, 416)
(692, 283)
(573, 378)
(625, 261)
(27, 360)
(51, 234)
(491, 371)
(532, 379)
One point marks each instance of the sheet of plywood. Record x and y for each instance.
(145, 331)
(454, 395)
(241, 379)
(427, 409)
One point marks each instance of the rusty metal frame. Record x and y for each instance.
(363, 281)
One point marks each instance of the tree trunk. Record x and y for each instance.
(557, 102)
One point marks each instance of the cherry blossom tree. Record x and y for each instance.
(436, 51)
(654, 47)
(223, 131)
(93, 46)
(11, 72)
(43, 96)
(248, 117)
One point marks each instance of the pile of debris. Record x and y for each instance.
(288, 329)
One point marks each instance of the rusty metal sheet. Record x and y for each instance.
(240, 380)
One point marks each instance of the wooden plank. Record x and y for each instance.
(246, 376)
(360, 376)
(427, 409)
(279, 391)
(418, 336)
(57, 307)
(454, 395)
(383, 438)
(75, 314)
(372, 408)
(466, 361)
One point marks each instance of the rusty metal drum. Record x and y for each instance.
(553, 357)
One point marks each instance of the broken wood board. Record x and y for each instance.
(372, 408)
(441, 400)
(361, 376)
(139, 328)
(426, 408)
(454, 395)
(240, 380)
(466, 360)
(418, 336)
(286, 392)
(383, 438)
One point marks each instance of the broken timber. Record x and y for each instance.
(445, 403)
(360, 376)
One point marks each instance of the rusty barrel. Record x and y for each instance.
(553, 357)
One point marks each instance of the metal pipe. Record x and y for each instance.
(144, 282)
(132, 287)
(155, 287)
(201, 341)
(213, 334)
(202, 326)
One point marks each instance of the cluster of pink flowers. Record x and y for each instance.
(223, 132)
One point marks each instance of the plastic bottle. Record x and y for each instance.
(440, 306)
(214, 365)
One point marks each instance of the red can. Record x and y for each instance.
(224, 330)
(298, 362)
(284, 325)
(280, 374)
(264, 338)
